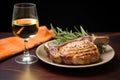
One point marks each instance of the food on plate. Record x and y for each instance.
(80, 50)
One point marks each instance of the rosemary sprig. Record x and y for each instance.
(101, 48)
(65, 35)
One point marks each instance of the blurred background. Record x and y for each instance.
(92, 16)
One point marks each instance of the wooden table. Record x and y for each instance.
(10, 70)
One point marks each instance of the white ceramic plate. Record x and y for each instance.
(106, 57)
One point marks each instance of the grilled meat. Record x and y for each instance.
(78, 51)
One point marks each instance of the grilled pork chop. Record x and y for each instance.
(78, 51)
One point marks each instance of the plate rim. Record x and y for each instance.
(74, 66)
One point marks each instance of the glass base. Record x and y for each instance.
(26, 59)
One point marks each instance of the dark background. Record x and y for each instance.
(93, 16)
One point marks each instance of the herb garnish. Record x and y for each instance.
(65, 35)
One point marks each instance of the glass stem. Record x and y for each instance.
(26, 51)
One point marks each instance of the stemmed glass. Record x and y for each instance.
(25, 25)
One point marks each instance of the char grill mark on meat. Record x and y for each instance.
(79, 51)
